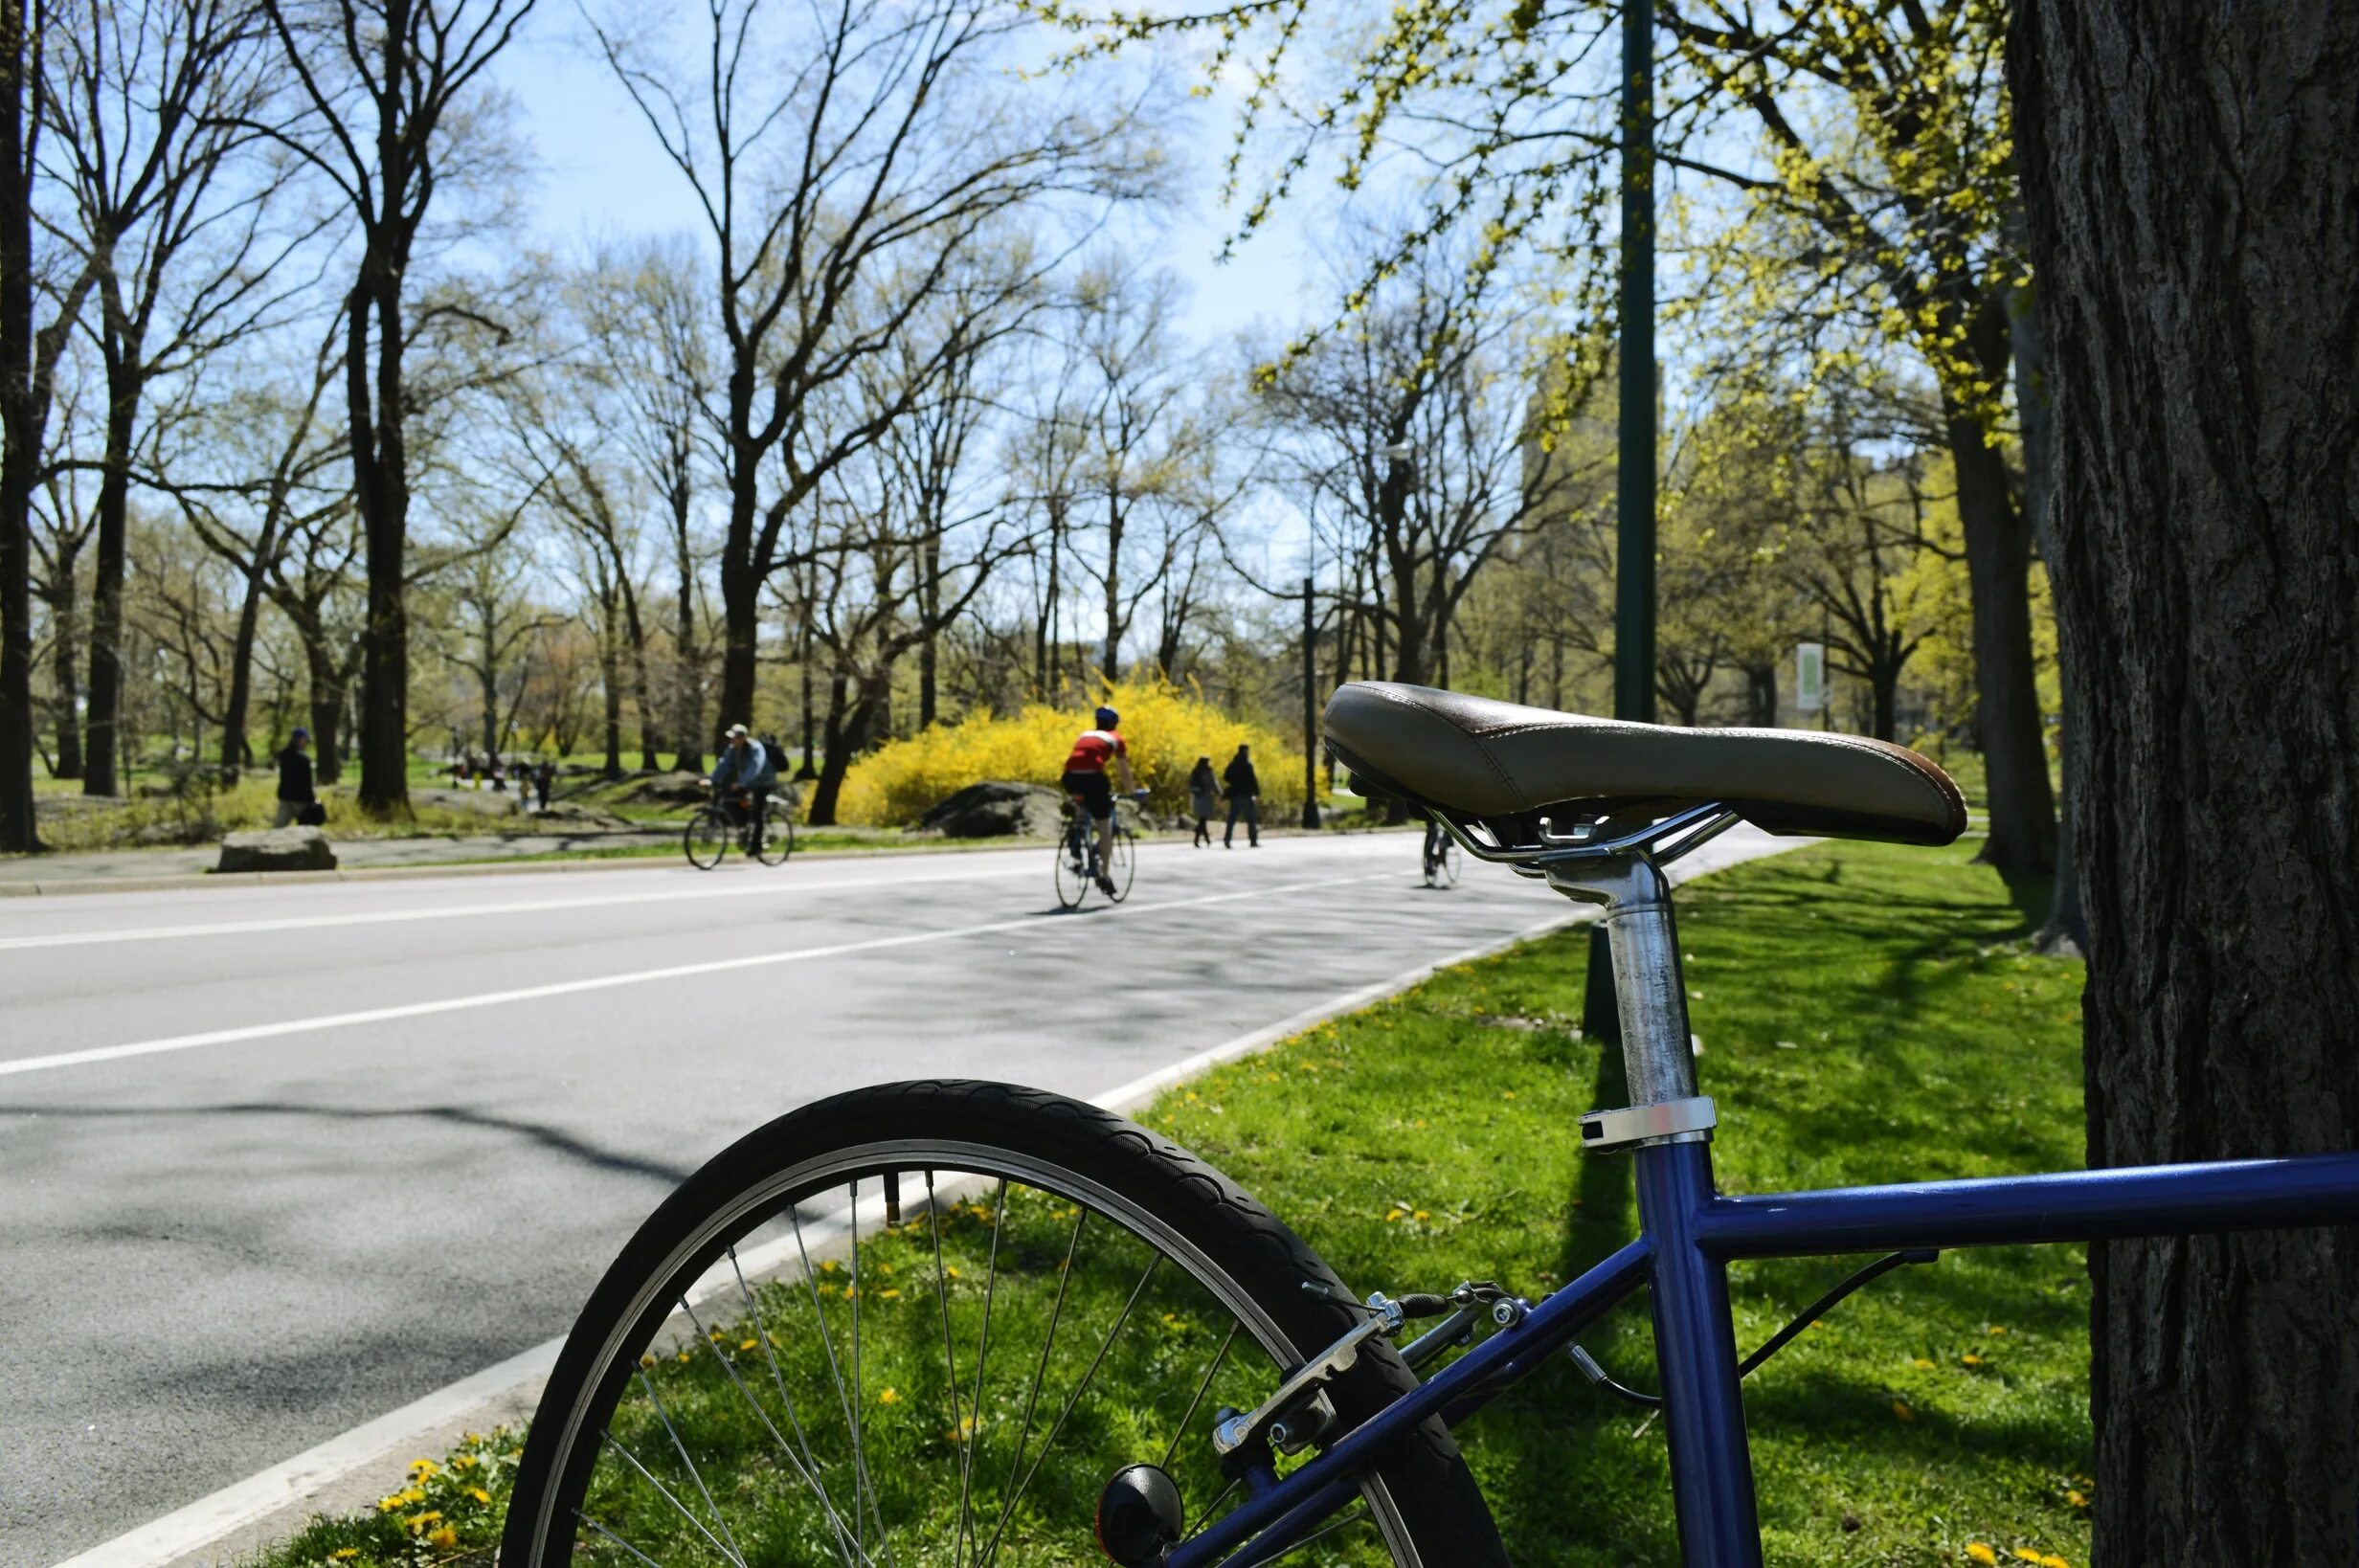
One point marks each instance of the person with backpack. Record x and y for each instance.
(1244, 799)
(299, 800)
(746, 766)
(1203, 801)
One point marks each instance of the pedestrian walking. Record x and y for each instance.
(544, 778)
(296, 793)
(1244, 799)
(1203, 801)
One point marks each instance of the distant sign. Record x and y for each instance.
(1809, 677)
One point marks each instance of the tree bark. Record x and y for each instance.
(382, 491)
(107, 567)
(65, 615)
(2191, 189)
(848, 721)
(328, 698)
(688, 711)
(21, 408)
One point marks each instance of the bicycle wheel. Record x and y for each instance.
(1442, 866)
(777, 839)
(1125, 864)
(707, 838)
(1066, 1296)
(1074, 865)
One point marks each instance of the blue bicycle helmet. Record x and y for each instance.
(1108, 718)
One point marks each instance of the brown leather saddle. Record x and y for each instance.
(1505, 764)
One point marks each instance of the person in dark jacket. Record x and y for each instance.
(1203, 801)
(295, 786)
(544, 778)
(1244, 799)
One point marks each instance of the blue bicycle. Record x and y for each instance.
(964, 1323)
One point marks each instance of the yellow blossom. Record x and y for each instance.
(445, 1537)
(1977, 1551)
(1902, 1411)
(888, 1396)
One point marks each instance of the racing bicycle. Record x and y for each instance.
(965, 1323)
(1077, 855)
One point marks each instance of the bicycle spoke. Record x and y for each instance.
(982, 1348)
(1201, 1389)
(1031, 1401)
(684, 1512)
(835, 1369)
(712, 1344)
(1049, 1441)
(617, 1539)
(958, 1432)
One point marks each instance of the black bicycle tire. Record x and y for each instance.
(1081, 891)
(777, 829)
(1432, 1495)
(688, 836)
(1125, 859)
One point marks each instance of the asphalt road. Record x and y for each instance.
(274, 1161)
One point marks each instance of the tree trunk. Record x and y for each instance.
(65, 614)
(1761, 695)
(107, 572)
(235, 753)
(2190, 183)
(688, 711)
(610, 685)
(327, 699)
(740, 623)
(847, 735)
(1998, 562)
(2066, 930)
(382, 490)
(930, 612)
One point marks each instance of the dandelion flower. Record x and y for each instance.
(749, 1344)
(888, 1396)
(1902, 1411)
(2077, 1497)
(1977, 1551)
(479, 1494)
(445, 1537)
(343, 1554)
(891, 1294)
(1970, 1359)
(1922, 1364)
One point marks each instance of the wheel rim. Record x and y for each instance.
(708, 838)
(984, 1458)
(1125, 864)
(1072, 869)
(778, 841)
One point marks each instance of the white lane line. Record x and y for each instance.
(450, 911)
(607, 982)
(290, 1487)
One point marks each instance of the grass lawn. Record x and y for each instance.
(1868, 1013)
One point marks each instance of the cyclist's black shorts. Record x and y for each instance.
(1096, 792)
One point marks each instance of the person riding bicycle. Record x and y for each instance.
(745, 765)
(1086, 781)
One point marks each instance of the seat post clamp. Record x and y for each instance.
(1666, 1121)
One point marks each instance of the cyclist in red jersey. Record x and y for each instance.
(1085, 780)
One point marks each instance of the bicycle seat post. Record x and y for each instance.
(1649, 991)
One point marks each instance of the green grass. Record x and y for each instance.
(1868, 1015)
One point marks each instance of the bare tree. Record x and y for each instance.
(152, 115)
(384, 86)
(851, 167)
(279, 454)
(651, 350)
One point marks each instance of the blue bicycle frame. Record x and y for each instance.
(1689, 1234)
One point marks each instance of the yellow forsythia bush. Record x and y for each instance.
(1167, 726)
